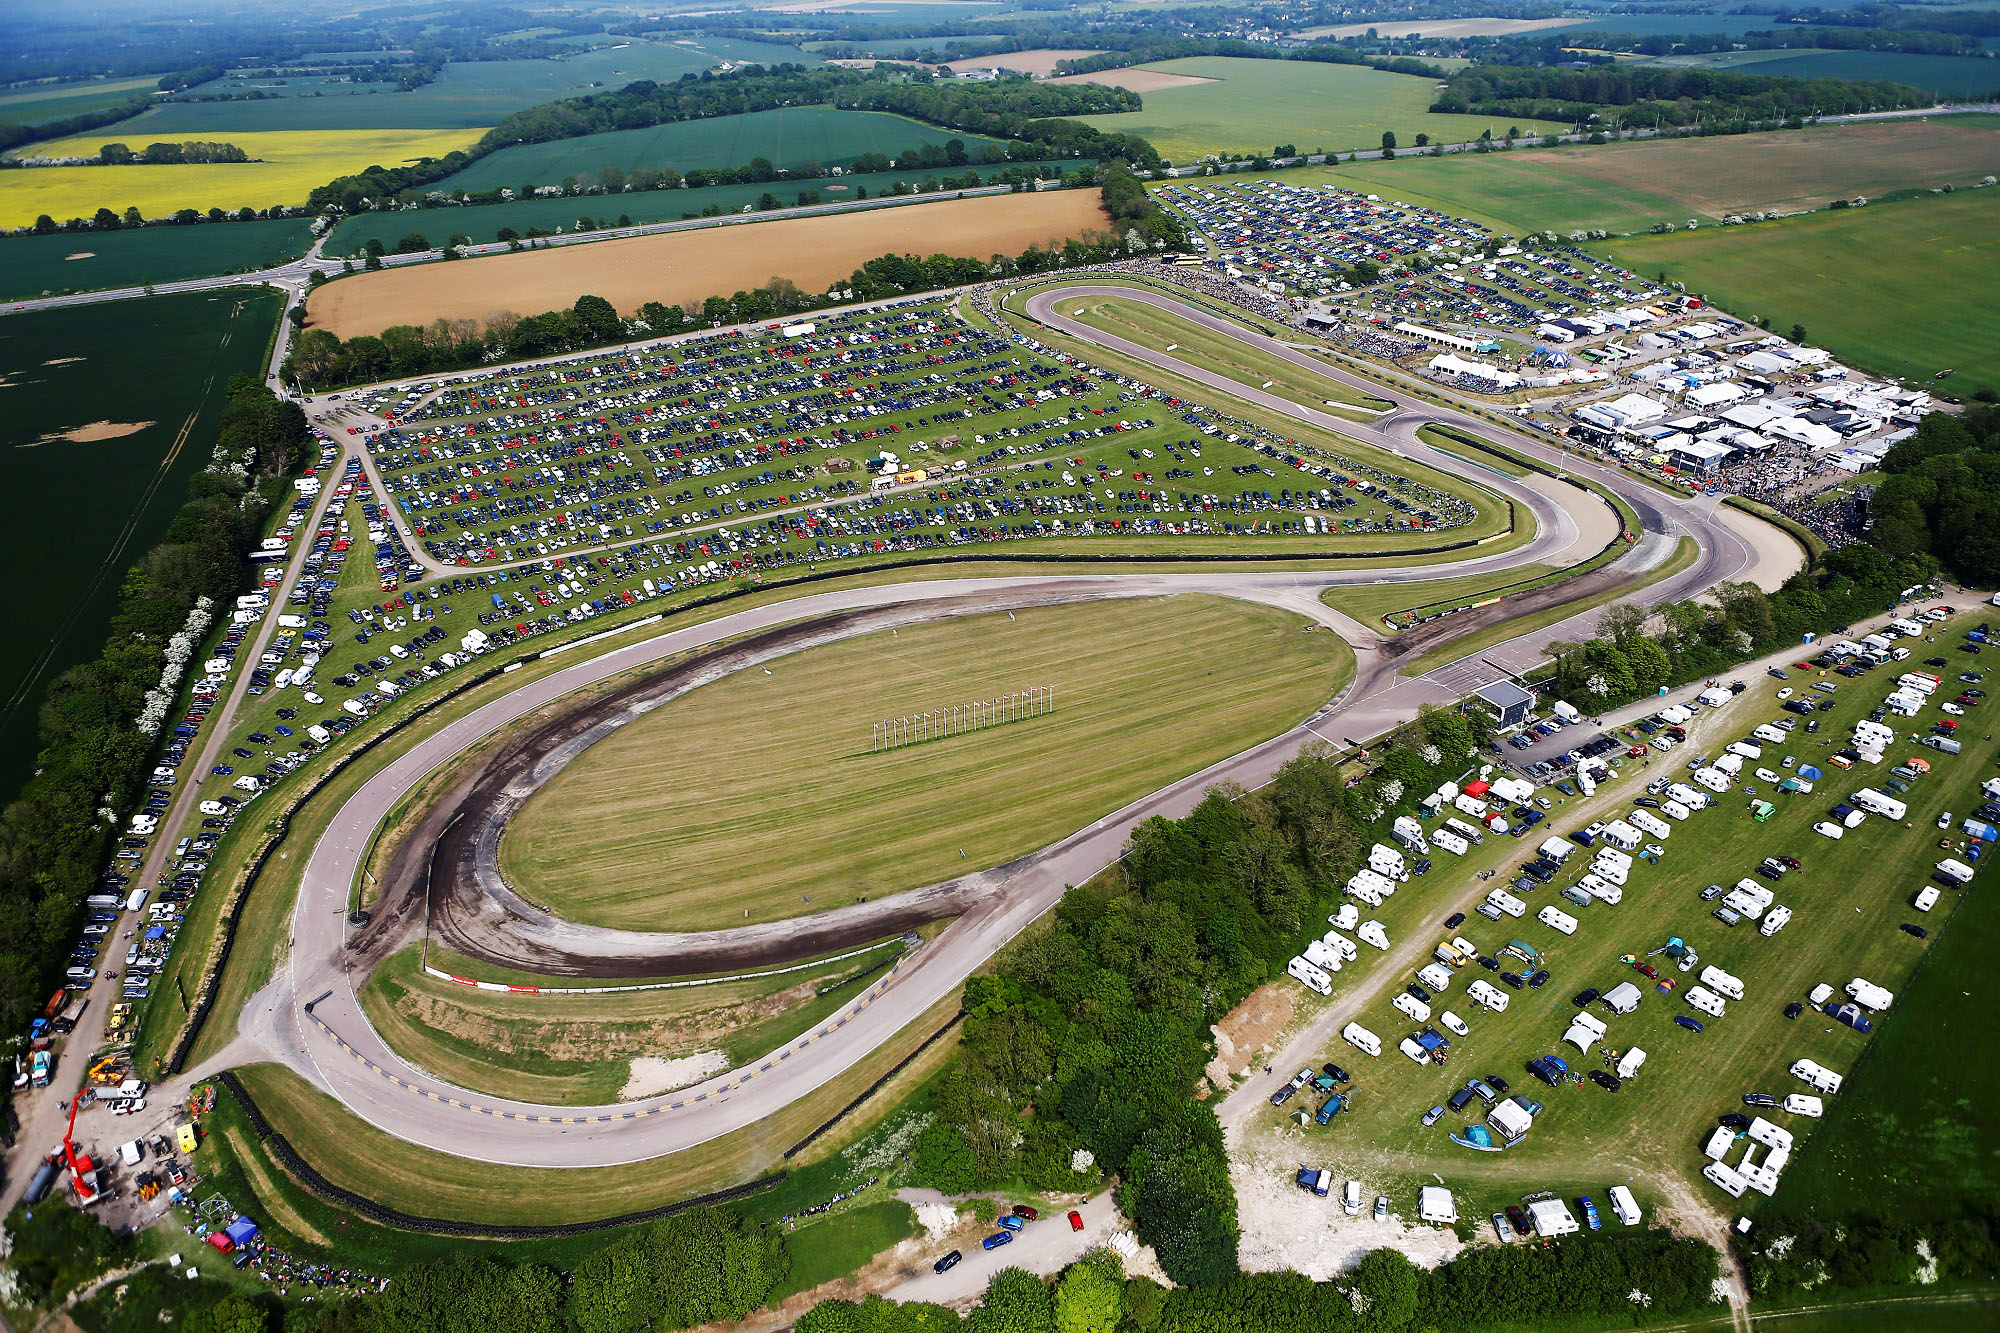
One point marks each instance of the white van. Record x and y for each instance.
(1562, 922)
(1361, 1039)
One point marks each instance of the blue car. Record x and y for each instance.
(1012, 1223)
(1590, 1217)
(997, 1239)
(1682, 1020)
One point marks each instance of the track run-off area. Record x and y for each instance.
(310, 1016)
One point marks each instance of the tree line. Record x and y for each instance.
(94, 761)
(1794, 1254)
(1661, 95)
(1638, 650)
(1027, 114)
(13, 136)
(1940, 495)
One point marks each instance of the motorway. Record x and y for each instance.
(311, 1019)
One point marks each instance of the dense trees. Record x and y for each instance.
(1940, 495)
(1664, 95)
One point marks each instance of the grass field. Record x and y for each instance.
(790, 137)
(1627, 187)
(629, 836)
(59, 101)
(92, 261)
(1369, 602)
(577, 1050)
(483, 223)
(110, 410)
(1903, 289)
(466, 95)
(1255, 105)
(291, 164)
(693, 265)
(1849, 898)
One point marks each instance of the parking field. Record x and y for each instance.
(757, 797)
(1848, 898)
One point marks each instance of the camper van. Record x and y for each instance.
(1775, 920)
(1361, 1039)
(1744, 750)
(1322, 957)
(1435, 976)
(1869, 995)
(1371, 932)
(1624, 1206)
(1388, 862)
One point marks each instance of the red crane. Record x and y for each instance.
(82, 1174)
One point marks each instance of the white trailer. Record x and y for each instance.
(1309, 976)
(1487, 995)
(1721, 982)
(1817, 1076)
(1361, 1039)
(1561, 922)
(1706, 1001)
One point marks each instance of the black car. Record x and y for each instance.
(1500, 1085)
(1512, 980)
(947, 1263)
(1606, 1081)
(1936, 661)
(1764, 1099)
(1454, 921)
(1538, 980)
(1909, 928)
(1336, 1073)
(1418, 992)
(1794, 1009)
(1490, 964)
(1646, 801)
(242, 753)
(1733, 1120)
(1583, 998)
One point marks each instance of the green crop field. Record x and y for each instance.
(92, 261)
(1627, 187)
(652, 829)
(465, 95)
(1255, 105)
(1849, 898)
(1927, 270)
(58, 101)
(578, 1050)
(110, 411)
(1945, 76)
(789, 137)
(483, 222)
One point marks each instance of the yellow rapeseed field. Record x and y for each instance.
(293, 162)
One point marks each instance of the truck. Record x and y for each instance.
(40, 1069)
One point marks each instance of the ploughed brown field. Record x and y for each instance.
(685, 266)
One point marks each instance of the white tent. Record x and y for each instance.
(1552, 1218)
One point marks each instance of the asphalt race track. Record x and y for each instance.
(310, 1017)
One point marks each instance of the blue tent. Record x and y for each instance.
(242, 1231)
(156, 932)
(1809, 773)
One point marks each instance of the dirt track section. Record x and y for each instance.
(475, 911)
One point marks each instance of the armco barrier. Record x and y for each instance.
(874, 1087)
(308, 1175)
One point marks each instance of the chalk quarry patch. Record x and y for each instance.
(91, 434)
(652, 1075)
(81, 254)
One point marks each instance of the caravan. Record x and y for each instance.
(1721, 982)
(1361, 1039)
(1817, 1076)
(1388, 862)
(1876, 803)
(1487, 995)
(1556, 920)
(1705, 1000)
(1688, 796)
(1446, 841)
(1507, 903)
(1311, 977)
(1647, 821)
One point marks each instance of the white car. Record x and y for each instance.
(1949, 707)
(1785, 693)
(1944, 820)
(1827, 829)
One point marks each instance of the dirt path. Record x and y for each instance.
(1694, 1216)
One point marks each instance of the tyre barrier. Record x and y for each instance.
(874, 1087)
(282, 1151)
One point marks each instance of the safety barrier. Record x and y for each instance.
(282, 1151)
(873, 1088)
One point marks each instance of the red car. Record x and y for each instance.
(1803, 666)
(1636, 752)
(1075, 1220)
